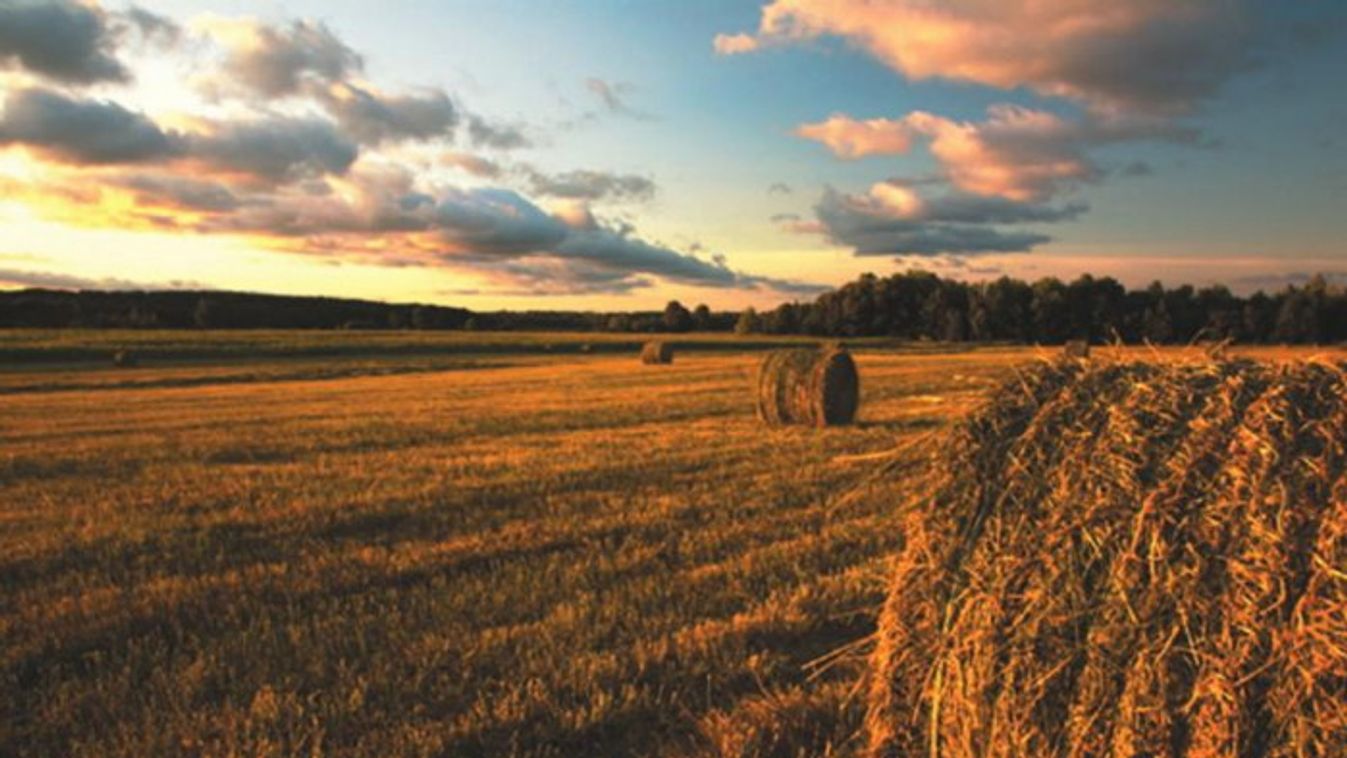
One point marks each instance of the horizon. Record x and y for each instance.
(611, 157)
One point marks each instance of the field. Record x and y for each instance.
(459, 545)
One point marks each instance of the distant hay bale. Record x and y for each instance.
(1126, 560)
(1076, 349)
(586, 348)
(125, 359)
(657, 352)
(811, 387)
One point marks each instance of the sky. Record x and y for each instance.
(615, 154)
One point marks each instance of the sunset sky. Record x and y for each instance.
(616, 154)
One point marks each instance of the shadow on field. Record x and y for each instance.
(903, 425)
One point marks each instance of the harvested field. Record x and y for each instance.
(432, 551)
(528, 554)
(1127, 559)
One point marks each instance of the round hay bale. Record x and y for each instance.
(586, 348)
(657, 352)
(125, 359)
(1125, 560)
(810, 387)
(1076, 350)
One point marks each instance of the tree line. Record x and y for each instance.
(921, 305)
(913, 305)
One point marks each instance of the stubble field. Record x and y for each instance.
(522, 549)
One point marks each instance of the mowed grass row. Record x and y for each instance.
(581, 555)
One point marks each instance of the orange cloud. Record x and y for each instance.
(733, 44)
(1159, 55)
(1017, 153)
(851, 139)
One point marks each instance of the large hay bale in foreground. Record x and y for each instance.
(657, 352)
(812, 387)
(1127, 560)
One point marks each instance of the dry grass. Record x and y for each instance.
(494, 554)
(527, 555)
(1126, 559)
(1076, 349)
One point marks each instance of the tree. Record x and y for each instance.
(1297, 319)
(201, 315)
(748, 322)
(677, 318)
(1157, 323)
(1050, 311)
(701, 318)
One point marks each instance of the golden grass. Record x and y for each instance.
(1127, 559)
(468, 554)
(536, 555)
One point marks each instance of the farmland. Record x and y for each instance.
(383, 544)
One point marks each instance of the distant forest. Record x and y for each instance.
(915, 305)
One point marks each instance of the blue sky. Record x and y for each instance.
(726, 201)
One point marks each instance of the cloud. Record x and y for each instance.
(373, 118)
(893, 219)
(381, 217)
(613, 97)
(902, 201)
(591, 185)
(61, 40)
(1018, 153)
(484, 133)
(277, 61)
(275, 149)
(778, 188)
(83, 131)
(472, 164)
(152, 26)
(290, 149)
(1137, 168)
(181, 192)
(733, 44)
(850, 138)
(306, 60)
(492, 221)
(99, 132)
(1156, 56)
(51, 280)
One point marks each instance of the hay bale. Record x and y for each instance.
(1122, 560)
(811, 387)
(656, 352)
(586, 348)
(125, 359)
(1076, 350)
